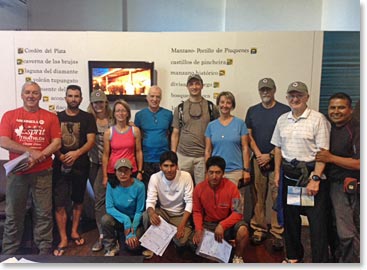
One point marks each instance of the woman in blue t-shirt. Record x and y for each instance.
(228, 137)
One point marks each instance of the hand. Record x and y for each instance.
(139, 176)
(246, 177)
(154, 218)
(70, 157)
(219, 233)
(324, 156)
(263, 159)
(198, 237)
(313, 187)
(180, 231)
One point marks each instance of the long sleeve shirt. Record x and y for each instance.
(126, 204)
(174, 196)
(221, 205)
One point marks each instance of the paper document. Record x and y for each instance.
(157, 238)
(211, 249)
(18, 164)
(298, 196)
(15, 260)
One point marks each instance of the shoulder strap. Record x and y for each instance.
(180, 114)
(210, 109)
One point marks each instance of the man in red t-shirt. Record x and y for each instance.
(218, 207)
(36, 131)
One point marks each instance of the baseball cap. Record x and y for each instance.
(298, 87)
(97, 95)
(194, 76)
(266, 82)
(124, 162)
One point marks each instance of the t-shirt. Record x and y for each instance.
(344, 142)
(262, 122)
(32, 129)
(226, 142)
(74, 131)
(195, 120)
(155, 127)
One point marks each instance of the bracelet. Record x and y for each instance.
(247, 170)
(141, 172)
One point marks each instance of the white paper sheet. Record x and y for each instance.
(157, 238)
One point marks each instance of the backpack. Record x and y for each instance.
(181, 109)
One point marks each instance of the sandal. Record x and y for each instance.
(59, 251)
(79, 241)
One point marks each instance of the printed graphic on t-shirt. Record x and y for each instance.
(70, 135)
(30, 132)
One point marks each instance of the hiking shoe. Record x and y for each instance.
(148, 254)
(237, 259)
(113, 251)
(257, 239)
(278, 244)
(98, 245)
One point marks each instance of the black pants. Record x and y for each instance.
(317, 217)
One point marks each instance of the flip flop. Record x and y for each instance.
(79, 241)
(59, 251)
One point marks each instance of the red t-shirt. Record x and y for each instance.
(35, 130)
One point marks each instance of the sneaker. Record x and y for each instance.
(237, 259)
(113, 251)
(277, 244)
(257, 239)
(148, 254)
(98, 245)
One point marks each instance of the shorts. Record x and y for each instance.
(230, 233)
(69, 186)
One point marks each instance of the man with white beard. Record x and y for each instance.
(260, 120)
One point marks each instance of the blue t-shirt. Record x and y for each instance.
(226, 142)
(262, 122)
(126, 204)
(155, 128)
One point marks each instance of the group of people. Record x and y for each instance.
(186, 168)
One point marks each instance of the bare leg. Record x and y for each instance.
(77, 212)
(242, 240)
(61, 218)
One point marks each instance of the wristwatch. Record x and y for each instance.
(271, 155)
(316, 178)
(142, 172)
(247, 170)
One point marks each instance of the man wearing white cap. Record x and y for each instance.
(297, 137)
